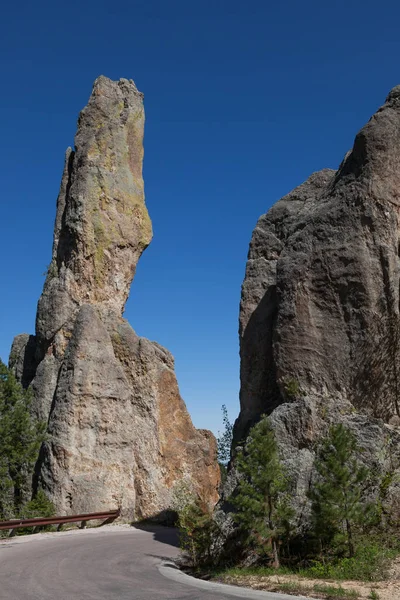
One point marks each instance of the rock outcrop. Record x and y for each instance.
(319, 315)
(119, 432)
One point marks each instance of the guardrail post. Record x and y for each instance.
(83, 525)
(12, 533)
(59, 527)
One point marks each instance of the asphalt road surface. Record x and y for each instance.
(110, 563)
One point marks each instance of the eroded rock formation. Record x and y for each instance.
(119, 432)
(319, 314)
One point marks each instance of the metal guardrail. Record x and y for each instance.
(13, 524)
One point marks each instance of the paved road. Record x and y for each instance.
(110, 563)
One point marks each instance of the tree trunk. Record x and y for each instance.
(350, 539)
(276, 564)
(275, 550)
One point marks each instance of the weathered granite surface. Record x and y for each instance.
(119, 432)
(319, 314)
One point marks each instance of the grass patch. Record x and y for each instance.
(257, 571)
(371, 563)
(331, 591)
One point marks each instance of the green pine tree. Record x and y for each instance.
(20, 440)
(337, 493)
(263, 508)
(224, 440)
(198, 532)
(224, 443)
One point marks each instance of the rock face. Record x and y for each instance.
(119, 432)
(319, 315)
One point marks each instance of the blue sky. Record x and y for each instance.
(243, 101)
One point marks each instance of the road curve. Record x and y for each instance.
(108, 563)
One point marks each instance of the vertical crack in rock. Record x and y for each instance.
(119, 432)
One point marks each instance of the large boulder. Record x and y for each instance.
(319, 313)
(119, 432)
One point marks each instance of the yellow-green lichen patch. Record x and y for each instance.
(134, 138)
(116, 214)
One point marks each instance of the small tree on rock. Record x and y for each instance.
(337, 493)
(263, 509)
(224, 443)
(224, 440)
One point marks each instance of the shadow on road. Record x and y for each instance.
(161, 533)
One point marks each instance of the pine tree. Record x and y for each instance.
(198, 532)
(20, 440)
(337, 493)
(224, 443)
(224, 440)
(263, 508)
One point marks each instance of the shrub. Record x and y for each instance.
(370, 563)
(292, 388)
(39, 506)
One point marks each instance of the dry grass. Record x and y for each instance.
(315, 588)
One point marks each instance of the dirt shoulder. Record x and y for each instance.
(317, 588)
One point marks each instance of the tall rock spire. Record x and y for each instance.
(102, 224)
(119, 432)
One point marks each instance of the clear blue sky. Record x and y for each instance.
(243, 101)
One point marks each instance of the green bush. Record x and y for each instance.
(39, 506)
(370, 563)
(292, 388)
